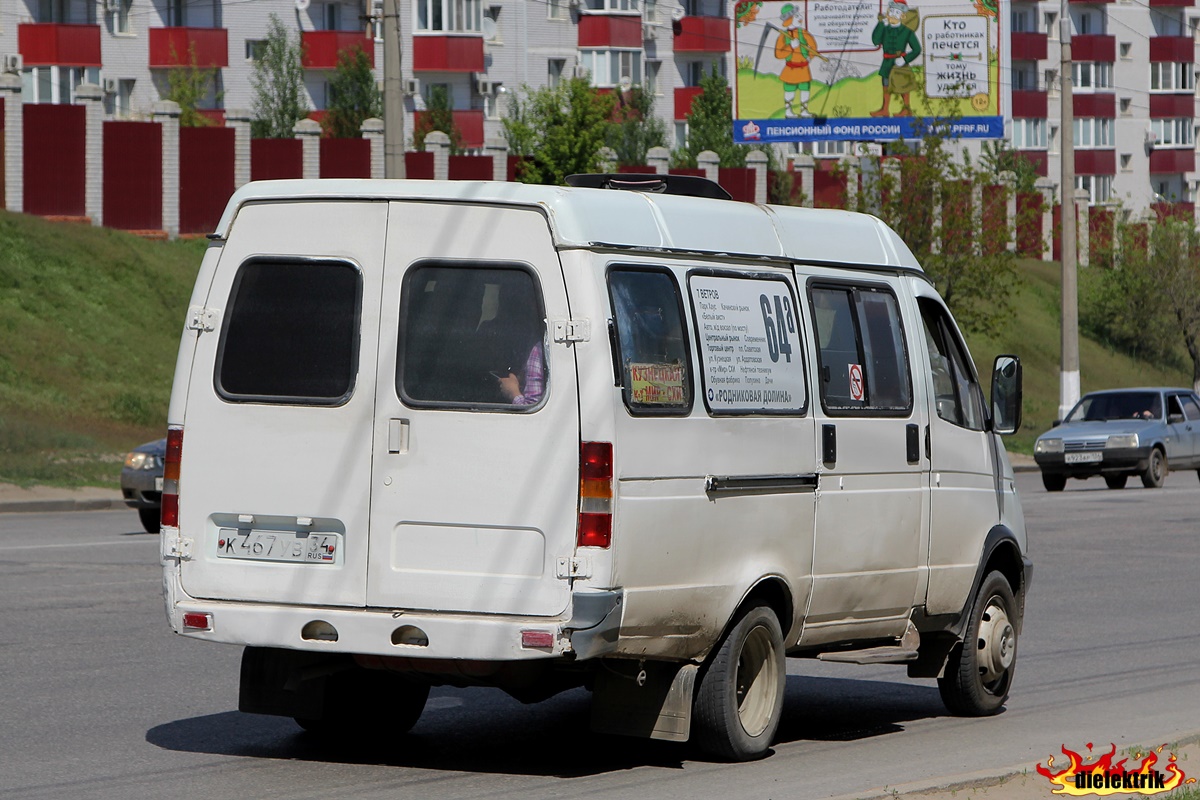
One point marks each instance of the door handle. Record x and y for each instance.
(397, 436)
(912, 441)
(829, 444)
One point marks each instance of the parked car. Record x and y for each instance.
(1123, 432)
(142, 480)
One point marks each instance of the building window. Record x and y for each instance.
(331, 16)
(123, 102)
(1126, 49)
(377, 20)
(829, 149)
(176, 14)
(1176, 132)
(55, 84)
(610, 67)
(120, 16)
(612, 5)
(1051, 20)
(1172, 77)
(650, 10)
(1024, 20)
(695, 71)
(554, 71)
(493, 13)
(1088, 76)
(1029, 134)
(557, 9)
(681, 133)
(255, 49)
(1098, 187)
(449, 15)
(652, 84)
(1024, 78)
(1092, 132)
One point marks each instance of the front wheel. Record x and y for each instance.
(979, 670)
(1054, 482)
(740, 698)
(1156, 470)
(1116, 481)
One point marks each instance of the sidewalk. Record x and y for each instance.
(14, 499)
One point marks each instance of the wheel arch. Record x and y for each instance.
(1001, 553)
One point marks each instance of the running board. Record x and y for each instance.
(902, 652)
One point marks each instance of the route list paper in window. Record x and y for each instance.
(748, 330)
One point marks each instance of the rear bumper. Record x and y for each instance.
(589, 633)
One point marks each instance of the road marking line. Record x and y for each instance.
(78, 544)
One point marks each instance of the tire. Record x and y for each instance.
(1054, 482)
(740, 698)
(364, 705)
(1116, 481)
(978, 677)
(1156, 470)
(151, 519)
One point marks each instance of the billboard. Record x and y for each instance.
(867, 70)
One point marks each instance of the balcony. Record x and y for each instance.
(1172, 3)
(1028, 46)
(610, 30)
(170, 47)
(469, 124)
(321, 48)
(1038, 159)
(1172, 160)
(1028, 104)
(702, 35)
(1094, 105)
(448, 53)
(1163, 106)
(1094, 47)
(684, 96)
(49, 43)
(1095, 162)
(1179, 49)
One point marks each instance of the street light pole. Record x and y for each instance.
(393, 93)
(1069, 369)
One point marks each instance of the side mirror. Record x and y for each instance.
(1006, 395)
(1056, 423)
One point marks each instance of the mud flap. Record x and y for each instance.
(651, 701)
(286, 683)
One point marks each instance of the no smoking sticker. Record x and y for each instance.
(856, 381)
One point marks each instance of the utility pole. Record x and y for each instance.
(1069, 370)
(393, 93)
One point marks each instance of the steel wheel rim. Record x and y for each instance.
(997, 644)
(1156, 466)
(756, 681)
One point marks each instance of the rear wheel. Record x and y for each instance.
(367, 705)
(150, 519)
(1054, 482)
(1116, 481)
(1156, 470)
(979, 670)
(740, 697)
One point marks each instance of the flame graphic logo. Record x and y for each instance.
(1102, 777)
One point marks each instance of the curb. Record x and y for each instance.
(34, 506)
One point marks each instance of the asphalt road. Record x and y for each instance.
(101, 700)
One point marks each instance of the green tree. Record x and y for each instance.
(998, 156)
(635, 129)
(710, 125)
(278, 83)
(188, 86)
(559, 130)
(353, 96)
(438, 116)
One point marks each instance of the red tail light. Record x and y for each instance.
(170, 494)
(595, 494)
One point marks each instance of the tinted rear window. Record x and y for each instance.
(291, 333)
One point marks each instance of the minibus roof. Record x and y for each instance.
(616, 219)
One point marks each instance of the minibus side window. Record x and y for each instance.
(958, 397)
(860, 351)
(291, 333)
(465, 331)
(651, 342)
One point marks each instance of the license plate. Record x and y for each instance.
(304, 548)
(158, 483)
(1084, 458)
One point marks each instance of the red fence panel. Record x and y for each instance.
(133, 180)
(693, 171)
(828, 189)
(470, 168)
(635, 169)
(54, 160)
(345, 158)
(1029, 224)
(206, 157)
(777, 184)
(995, 235)
(274, 159)
(419, 166)
(739, 182)
(1100, 236)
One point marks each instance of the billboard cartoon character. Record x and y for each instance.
(796, 47)
(896, 33)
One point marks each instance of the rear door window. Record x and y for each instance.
(861, 354)
(472, 336)
(651, 345)
(291, 333)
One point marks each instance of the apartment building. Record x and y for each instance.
(481, 51)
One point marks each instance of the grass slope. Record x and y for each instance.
(90, 322)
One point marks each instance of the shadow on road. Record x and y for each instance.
(485, 731)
